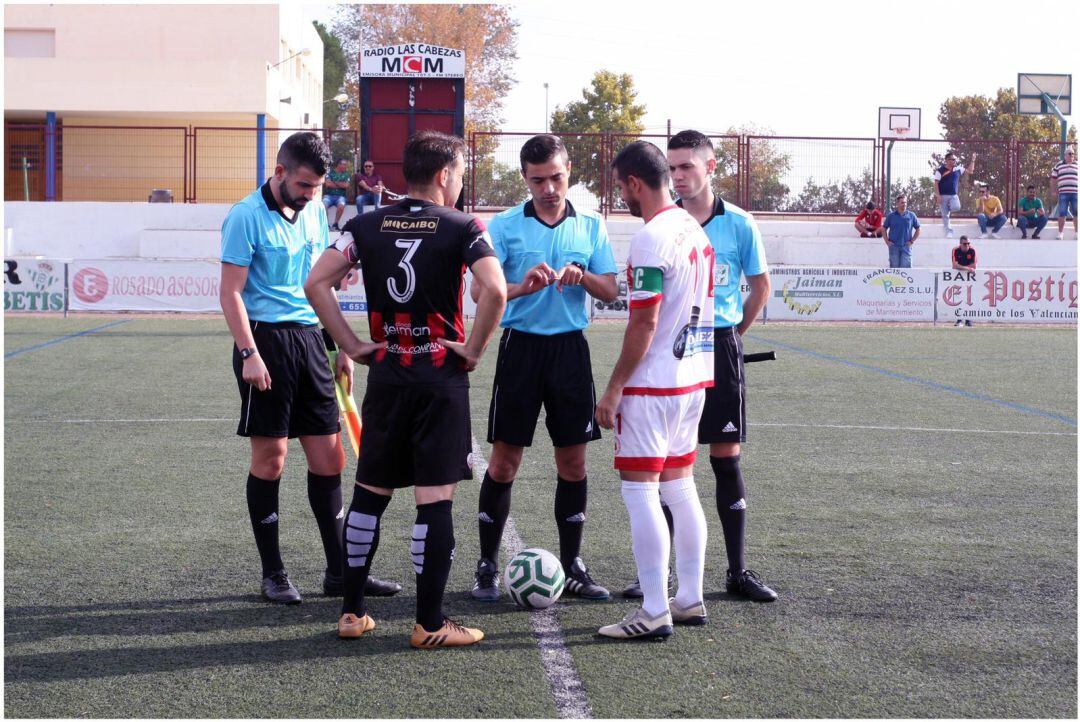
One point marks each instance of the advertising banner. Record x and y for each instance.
(145, 285)
(1011, 295)
(33, 284)
(851, 294)
(352, 297)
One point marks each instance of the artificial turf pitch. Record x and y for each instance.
(925, 567)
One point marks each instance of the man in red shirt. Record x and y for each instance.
(868, 222)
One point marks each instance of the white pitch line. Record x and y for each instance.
(853, 427)
(567, 688)
(917, 428)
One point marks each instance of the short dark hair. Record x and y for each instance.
(1031, 188)
(428, 152)
(964, 239)
(305, 149)
(950, 154)
(691, 139)
(339, 161)
(542, 148)
(902, 195)
(645, 162)
(870, 205)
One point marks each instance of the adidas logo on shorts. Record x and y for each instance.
(729, 428)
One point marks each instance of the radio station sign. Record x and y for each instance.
(33, 284)
(1011, 295)
(851, 294)
(412, 60)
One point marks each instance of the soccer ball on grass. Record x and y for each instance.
(534, 578)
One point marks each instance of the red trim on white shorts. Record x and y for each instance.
(676, 462)
(639, 463)
(649, 391)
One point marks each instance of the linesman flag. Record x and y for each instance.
(350, 417)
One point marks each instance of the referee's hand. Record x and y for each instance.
(538, 278)
(255, 372)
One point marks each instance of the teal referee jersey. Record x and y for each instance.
(522, 241)
(278, 254)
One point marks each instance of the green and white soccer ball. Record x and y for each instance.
(534, 578)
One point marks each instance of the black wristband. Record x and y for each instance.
(579, 265)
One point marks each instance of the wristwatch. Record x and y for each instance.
(246, 353)
(580, 266)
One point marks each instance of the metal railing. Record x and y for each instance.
(784, 175)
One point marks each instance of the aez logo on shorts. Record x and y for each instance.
(405, 224)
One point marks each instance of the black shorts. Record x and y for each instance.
(415, 436)
(553, 371)
(724, 417)
(300, 400)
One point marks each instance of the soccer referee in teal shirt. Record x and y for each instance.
(553, 256)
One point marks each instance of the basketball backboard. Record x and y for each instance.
(1031, 86)
(900, 123)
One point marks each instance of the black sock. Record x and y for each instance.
(361, 541)
(324, 495)
(494, 509)
(731, 505)
(262, 501)
(432, 552)
(570, 499)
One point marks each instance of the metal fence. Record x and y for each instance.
(790, 175)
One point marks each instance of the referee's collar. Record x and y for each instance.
(530, 212)
(717, 209)
(272, 205)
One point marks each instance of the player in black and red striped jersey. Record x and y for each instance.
(415, 414)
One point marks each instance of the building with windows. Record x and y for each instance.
(108, 102)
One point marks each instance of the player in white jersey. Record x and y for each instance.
(657, 391)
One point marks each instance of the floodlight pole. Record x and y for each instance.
(1049, 102)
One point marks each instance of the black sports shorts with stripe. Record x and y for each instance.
(300, 400)
(724, 417)
(550, 371)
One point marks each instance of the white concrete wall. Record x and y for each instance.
(179, 230)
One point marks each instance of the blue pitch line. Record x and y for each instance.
(18, 351)
(920, 382)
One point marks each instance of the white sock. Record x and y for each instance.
(651, 545)
(681, 498)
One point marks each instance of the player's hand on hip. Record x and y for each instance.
(570, 275)
(362, 354)
(471, 357)
(607, 408)
(344, 370)
(255, 372)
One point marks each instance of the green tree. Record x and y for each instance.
(846, 196)
(768, 168)
(498, 185)
(334, 67)
(607, 106)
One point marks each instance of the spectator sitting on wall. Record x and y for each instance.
(1030, 214)
(369, 187)
(334, 187)
(1063, 180)
(868, 222)
(991, 212)
(901, 231)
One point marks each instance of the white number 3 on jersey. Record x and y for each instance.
(411, 246)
